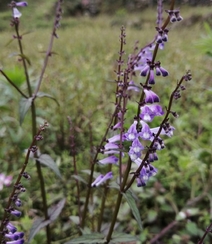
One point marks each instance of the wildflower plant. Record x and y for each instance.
(129, 146)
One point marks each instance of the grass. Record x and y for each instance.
(80, 77)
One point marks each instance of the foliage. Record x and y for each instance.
(79, 77)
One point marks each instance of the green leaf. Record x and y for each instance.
(24, 105)
(123, 238)
(89, 238)
(79, 178)
(131, 201)
(46, 160)
(54, 211)
(38, 224)
(43, 94)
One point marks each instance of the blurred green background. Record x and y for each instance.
(80, 77)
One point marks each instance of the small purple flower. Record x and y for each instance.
(11, 227)
(18, 202)
(110, 152)
(132, 132)
(168, 132)
(109, 146)
(151, 80)
(109, 160)
(146, 114)
(15, 212)
(137, 146)
(101, 179)
(114, 138)
(116, 126)
(16, 13)
(145, 133)
(133, 87)
(153, 157)
(134, 155)
(151, 97)
(22, 4)
(15, 236)
(146, 172)
(145, 69)
(160, 70)
(174, 15)
(135, 150)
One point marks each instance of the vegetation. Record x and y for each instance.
(80, 79)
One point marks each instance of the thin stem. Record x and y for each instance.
(49, 50)
(118, 201)
(11, 83)
(19, 38)
(73, 151)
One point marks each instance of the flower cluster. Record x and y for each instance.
(140, 132)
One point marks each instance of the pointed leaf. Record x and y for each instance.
(89, 238)
(79, 178)
(37, 225)
(25, 104)
(54, 211)
(131, 201)
(122, 238)
(43, 94)
(46, 160)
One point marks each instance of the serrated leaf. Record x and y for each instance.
(90, 238)
(123, 238)
(37, 225)
(54, 211)
(79, 178)
(46, 160)
(131, 201)
(24, 105)
(43, 94)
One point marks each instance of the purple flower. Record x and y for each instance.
(174, 15)
(146, 114)
(145, 70)
(109, 160)
(116, 126)
(114, 138)
(22, 4)
(146, 172)
(153, 157)
(160, 70)
(137, 146)
(135, 150)
(132, 132)
(145, 133)
(109, 146)
(15, 212)
(133, 87)
(151, 80)
(101, 179)
(168, 132)
(16, 14)
(151, 97)
(15, 236)
(11, 228)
